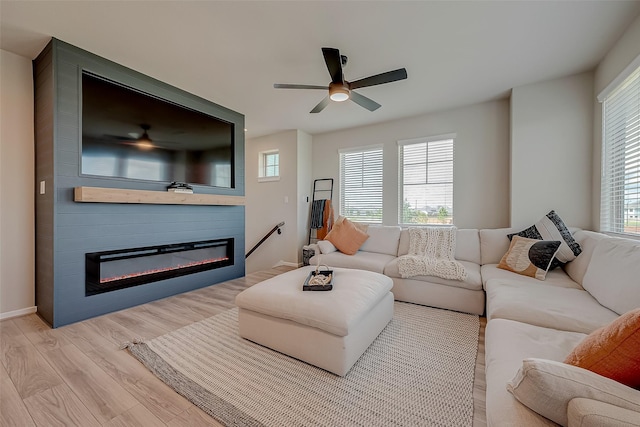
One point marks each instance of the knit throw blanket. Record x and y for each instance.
(431, 253)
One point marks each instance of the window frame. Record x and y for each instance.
(263, 175)
(401, 169)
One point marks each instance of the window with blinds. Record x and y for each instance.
(620, 188)
(426, 181)
(361, 184)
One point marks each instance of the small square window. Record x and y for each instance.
(269, 166)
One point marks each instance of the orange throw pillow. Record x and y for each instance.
(346, 237)
(612, 351)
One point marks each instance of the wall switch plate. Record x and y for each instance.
(286, 199)
(42, 187)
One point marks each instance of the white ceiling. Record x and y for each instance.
(455, 53)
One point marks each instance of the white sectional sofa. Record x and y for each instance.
(526, 317)
(380, 254)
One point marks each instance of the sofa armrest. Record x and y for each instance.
(583, 412)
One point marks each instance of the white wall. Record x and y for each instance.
(551, 150)
(305, 185)
(17, 233)
(481, 160)
(621, 54)
(268, 203)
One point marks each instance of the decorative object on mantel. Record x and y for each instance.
(180, 187)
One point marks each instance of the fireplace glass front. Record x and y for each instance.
(119, 269)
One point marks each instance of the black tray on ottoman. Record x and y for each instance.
(327, 287)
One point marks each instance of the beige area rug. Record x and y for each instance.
(418, 372)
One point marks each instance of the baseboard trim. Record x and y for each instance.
(288, 264)
(18, 313)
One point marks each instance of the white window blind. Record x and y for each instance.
(426, 180)
(620, 188)
(361, 185)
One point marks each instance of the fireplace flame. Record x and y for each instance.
(162, 270)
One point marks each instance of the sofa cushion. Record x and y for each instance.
(438, 295)
(507, 343)
(529, 257)
(593, 413)
(613, 274)
(494, 243)
(382, 239)
(370, 261)
(473, 280)
(551, 227)
(467, 245)
(555, 277)
(537, 377)
(346, 237)
(612, 351)
(546, 306)
(588, 240)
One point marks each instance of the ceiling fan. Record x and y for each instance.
(340, 89)
(142, 141)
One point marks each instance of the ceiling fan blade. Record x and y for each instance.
(288, 86)
(321, 105)
(378, 79)
(334, 64)
(365, 102)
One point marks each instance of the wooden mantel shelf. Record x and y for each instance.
(119, 195)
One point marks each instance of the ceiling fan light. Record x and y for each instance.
(339, 96)
(145, 145)
(144, 142)
(338, 92)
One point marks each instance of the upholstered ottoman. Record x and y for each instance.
(328, 329)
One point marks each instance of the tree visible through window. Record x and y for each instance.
(361, 184)
(620, 185)
(426, 180)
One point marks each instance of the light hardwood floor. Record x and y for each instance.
(77, 375)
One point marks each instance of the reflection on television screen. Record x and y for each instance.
(129, 134)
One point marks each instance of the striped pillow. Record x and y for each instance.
(551, 227)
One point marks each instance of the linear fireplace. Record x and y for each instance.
(112, 270)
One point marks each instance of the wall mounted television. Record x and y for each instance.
(133, 135)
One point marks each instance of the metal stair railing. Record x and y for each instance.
(273, 230)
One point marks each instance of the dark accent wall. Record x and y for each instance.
(66, 230)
